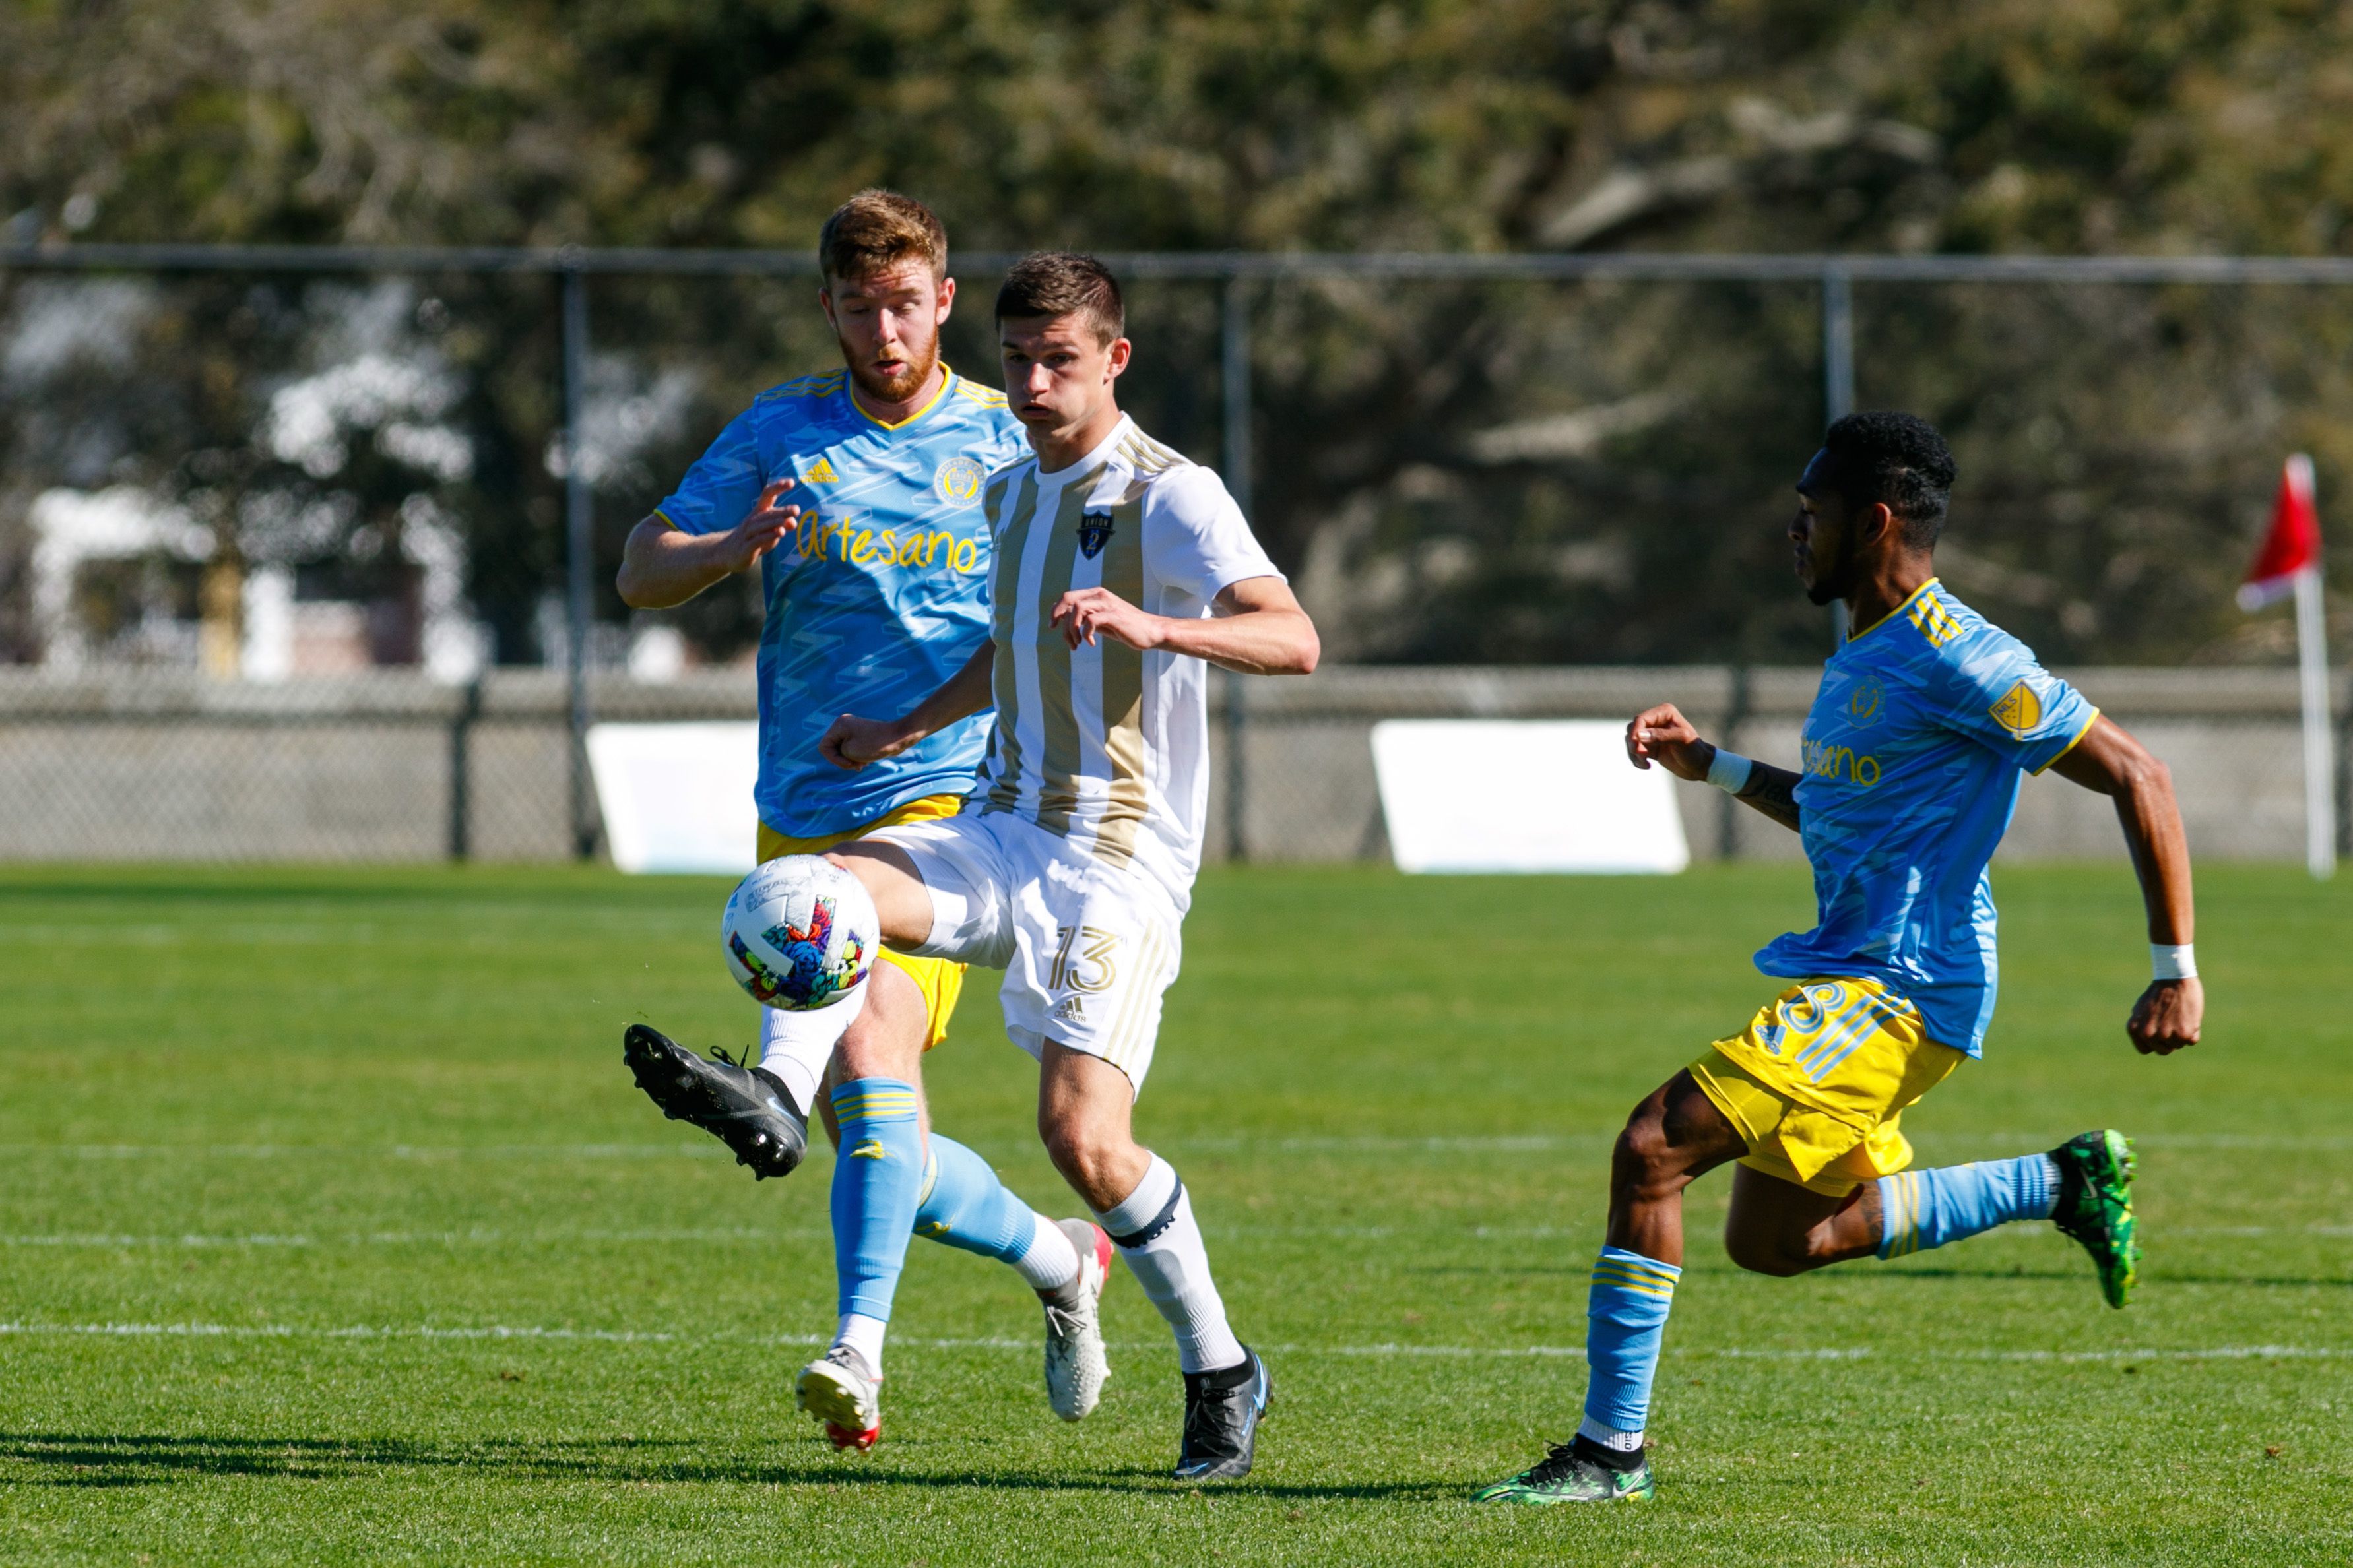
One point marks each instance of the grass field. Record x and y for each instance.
(334, 1231)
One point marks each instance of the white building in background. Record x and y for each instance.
(247, 622)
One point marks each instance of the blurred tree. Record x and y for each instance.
(1457, 473)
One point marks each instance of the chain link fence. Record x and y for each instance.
(308, 553)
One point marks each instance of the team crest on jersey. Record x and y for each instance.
(1864, 701)
(959, 481)
(1094, 533)
(2019, 711)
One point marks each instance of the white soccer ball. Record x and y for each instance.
(799, 933)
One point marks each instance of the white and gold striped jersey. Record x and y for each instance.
(1104, 746)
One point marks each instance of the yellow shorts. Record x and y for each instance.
(940, 981)
(1819, 1081)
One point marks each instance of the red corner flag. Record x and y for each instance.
(2293, 545)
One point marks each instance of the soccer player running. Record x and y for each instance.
(1122, 572)
(876, 587)
(1912, 755)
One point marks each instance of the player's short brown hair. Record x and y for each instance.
(876, 229)
(1060, 283)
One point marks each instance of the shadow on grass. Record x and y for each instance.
(2147, 1278)
(89, 1460)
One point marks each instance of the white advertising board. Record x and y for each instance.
(1480, 796)
(678, 797)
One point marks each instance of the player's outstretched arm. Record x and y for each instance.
(661, 566)
(1257, 628)
(1662, 735)
(2171, 1011)
(852, 742)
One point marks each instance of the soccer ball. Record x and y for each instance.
(799, 933)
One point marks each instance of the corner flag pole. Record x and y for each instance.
(2289, 562)
(2319, 761)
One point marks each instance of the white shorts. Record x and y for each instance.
(1087, 949)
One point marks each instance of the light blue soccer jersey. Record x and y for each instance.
(877, 599)
(1912, 757)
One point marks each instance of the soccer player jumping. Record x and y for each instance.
(1911, 760)
(1122, 572)
(856, 494)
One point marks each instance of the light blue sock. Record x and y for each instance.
(877, 1182)
(1922, 1209)
(966, 1206)
(1625, 1318)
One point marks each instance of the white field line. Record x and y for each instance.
(707, 1150)
(728, 1235)
(528, 1332)
(484, 1236)
(477, 1237)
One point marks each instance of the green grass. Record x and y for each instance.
(416, 1274)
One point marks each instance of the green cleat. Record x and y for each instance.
(1571, 1473)
(2095, 1175)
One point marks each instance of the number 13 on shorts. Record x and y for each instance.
(1103, 985)
(1083, 961)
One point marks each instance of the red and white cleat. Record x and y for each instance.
(1076, 1367)
(841, 1391)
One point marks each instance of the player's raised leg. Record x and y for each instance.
(1674, 1136)
(2083, 1186)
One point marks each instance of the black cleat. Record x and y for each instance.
(744, 1108)
(1222, 1410)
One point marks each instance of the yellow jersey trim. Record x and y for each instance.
(823, 383)
(947, 379)
(666, 520)
(1853, 638)
(2070, 745)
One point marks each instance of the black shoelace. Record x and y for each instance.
(1558, 1466)
(1202, 1422)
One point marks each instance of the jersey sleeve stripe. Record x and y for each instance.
(2071, 745)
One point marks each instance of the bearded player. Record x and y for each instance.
(1925, 720)
(857, 493)
(1122, 572)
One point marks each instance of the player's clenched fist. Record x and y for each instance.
(851, 742)
(1662, 735)
(763, 528)
(2168, 1017)
(1086, 613)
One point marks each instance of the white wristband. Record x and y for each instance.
(1729, 771)
(2173, 962)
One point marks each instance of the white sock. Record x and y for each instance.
(795, 1047)
(1052, 1261)
(1154, 1229)
(864, 1335)
(1609, 1438)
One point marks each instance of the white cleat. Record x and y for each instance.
(839, 1389)
(1076, 1368)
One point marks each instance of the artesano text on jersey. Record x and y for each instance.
(1104, 745)
(879, 595)
(1910, 766)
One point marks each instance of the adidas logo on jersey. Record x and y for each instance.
(821, 473)
(1069, 1010)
